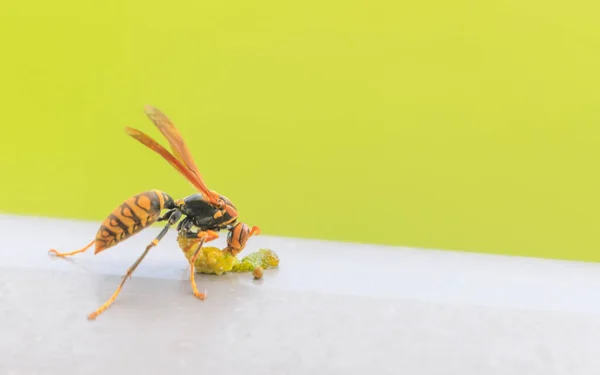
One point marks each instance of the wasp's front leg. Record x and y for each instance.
(193, 236)
(208, 235)
(204, 236)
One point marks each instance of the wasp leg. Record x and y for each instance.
(205, 236)
(185, 225)
(173, 219)
(209, 234)
(62, 255)
(167, 215)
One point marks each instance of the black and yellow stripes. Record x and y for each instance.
(130, 217)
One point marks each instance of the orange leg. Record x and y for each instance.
(210, 235)
(206, 236)
(112, 299)
(62, 255)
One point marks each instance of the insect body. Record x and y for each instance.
(203, 214)
(130, 217)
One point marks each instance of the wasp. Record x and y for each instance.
(200, 216)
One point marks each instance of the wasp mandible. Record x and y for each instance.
(202, 214)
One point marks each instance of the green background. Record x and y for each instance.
(468, 125)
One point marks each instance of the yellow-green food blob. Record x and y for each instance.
(263, 258)
(214, 261)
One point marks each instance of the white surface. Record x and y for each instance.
(331, 308)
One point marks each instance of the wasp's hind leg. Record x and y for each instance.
(173, 218)
(167, 215)
(62, 255)
(55, 252)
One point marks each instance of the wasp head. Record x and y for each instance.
(238, 236)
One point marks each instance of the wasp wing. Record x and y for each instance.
(147, 141)
(178, 145)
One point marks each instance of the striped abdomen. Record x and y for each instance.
(130, 217)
